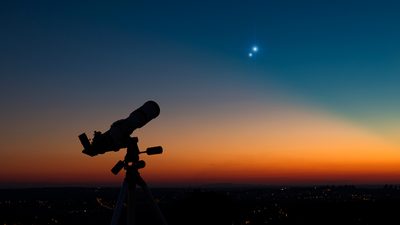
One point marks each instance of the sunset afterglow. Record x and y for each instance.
(318, 105)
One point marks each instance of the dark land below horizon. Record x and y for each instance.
(207, 205)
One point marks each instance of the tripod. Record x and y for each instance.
(131, 165)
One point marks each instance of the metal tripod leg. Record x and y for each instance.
(129, 188)
(130, 220)
(120, 203)
(147, 191)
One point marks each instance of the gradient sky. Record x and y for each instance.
(319, 103)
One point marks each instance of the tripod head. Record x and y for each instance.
(131, 160)
(131, 164)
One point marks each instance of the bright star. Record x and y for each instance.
(250, 54)
(255, 49)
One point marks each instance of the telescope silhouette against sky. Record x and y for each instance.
(118, 135)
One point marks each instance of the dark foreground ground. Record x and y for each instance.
(206, 206)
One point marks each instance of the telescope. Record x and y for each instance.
(118, 136)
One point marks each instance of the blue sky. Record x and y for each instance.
(336, 53)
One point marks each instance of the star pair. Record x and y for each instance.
(253, 51)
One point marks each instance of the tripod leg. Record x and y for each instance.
(120, 202)
(147, 191)
(131, 203)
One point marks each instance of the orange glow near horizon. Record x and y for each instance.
(279, 145)
(317, 104)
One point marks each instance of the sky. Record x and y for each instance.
(316, 104)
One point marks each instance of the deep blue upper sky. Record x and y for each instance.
(342, 55)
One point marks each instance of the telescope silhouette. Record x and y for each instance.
(118, 135)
